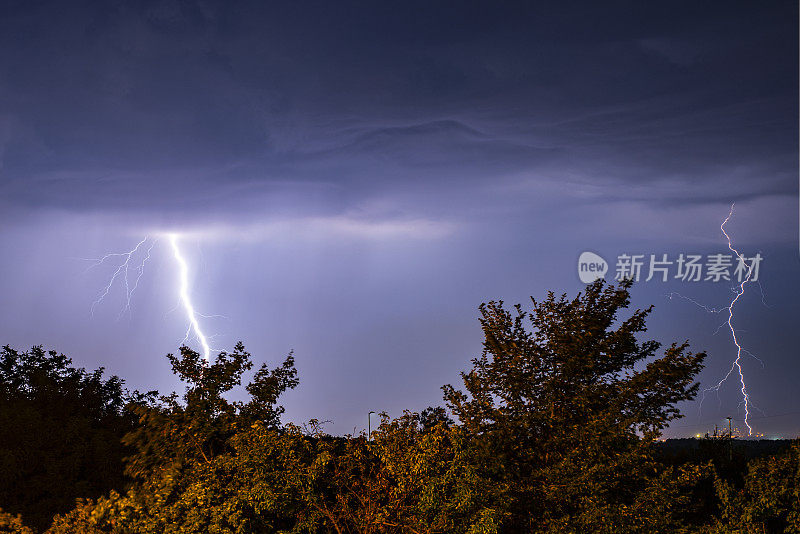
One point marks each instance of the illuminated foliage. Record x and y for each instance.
(12, 524)
(769, 500)
(563, 406)
(553, 433)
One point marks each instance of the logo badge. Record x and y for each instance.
(591, 267)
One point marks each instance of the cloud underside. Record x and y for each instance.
(194, 111)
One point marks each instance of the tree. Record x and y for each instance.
(198, 429)
(210, 465)
(10, 524)
(434, 481)
(61, 432)
(562, 413)
(769, 500)
(407, 478)
(187, 460)
(432, 416)
(554, 433)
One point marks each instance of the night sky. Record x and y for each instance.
(351, 180)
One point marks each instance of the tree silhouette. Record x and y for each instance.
(61, 431)
(554, 432)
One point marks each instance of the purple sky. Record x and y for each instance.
(352, 180)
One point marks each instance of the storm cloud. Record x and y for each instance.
(421, 155)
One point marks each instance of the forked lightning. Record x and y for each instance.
(738, 292)
(132, 263)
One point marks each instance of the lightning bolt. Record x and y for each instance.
(738, 291)
(123, 270)
(737, 362)
(188, 307)
(129, 270)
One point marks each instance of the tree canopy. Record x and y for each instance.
(564, 399)
(554, 431)
(61, 431)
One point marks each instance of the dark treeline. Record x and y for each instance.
(553, 429)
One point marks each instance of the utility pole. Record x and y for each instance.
(369, 426)
(730, 441)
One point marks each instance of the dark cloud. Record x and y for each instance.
(104, 100)
(405, 153)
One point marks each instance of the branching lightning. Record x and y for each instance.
(130, 269)
(124, 270)
(736, 365)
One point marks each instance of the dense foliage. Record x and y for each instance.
(61, 431)
(564, 419)
(554, 431)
